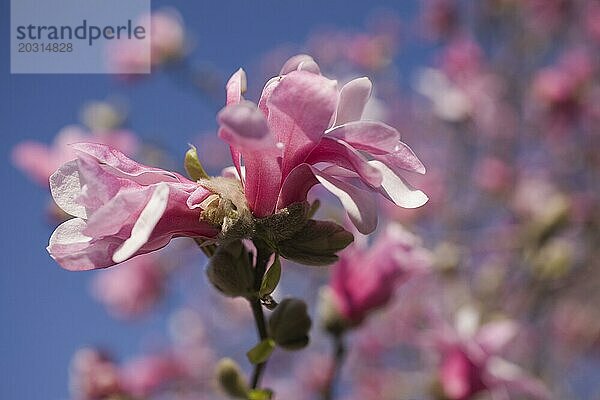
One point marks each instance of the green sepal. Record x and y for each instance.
(282, 225)
(261, 352)
(192, 165)
(271, 278)
(316, 243)
(260, 394)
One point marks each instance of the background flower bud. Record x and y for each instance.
(446, 258)
(331, 319)
(230, 379)
(289, 324)
(103, 115)
(554, 259)
(553, 216)
(229, 270)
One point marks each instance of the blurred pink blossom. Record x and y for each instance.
(493, 175)
(39, 160)
(132, 290)
(465, 88)
(576, 326)
(128, 57)
(192, 348)
(147, 374)
(560, 87)
(167, 43)
(313, 372)
(379, 383)
(471, 360)
(168, 36)
(462, 57)
(439, 17)
(365, 279)
(121, 209)
(544, 16)
(94, 376)
(592, 20)
(370, 52)
(553, 86)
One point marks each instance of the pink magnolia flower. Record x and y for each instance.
(471, 360)
(39, 160)
(131, 291)
(365, 279)
(121, 208)
(304, 132)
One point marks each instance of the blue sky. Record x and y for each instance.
(46, 313)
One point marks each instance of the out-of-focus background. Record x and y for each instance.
(499, 98)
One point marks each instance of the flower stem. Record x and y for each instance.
(263, 254)
(339, 355)
(259, 318)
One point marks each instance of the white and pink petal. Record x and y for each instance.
(402, 158)
(340, 153)
(394, 187)
(145, 223)
(354, 96)
(236, 87)
(300, 62)
(360, 204)
(65, 186)
(118, 164)
(75, 251)
(371, 136)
